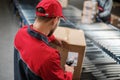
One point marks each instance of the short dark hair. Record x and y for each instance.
(43, 18)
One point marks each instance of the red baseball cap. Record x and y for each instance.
(52, 8)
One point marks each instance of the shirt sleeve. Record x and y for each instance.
(107, 9)
(52, 70)
(51, 38)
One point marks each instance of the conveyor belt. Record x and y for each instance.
(108, 40)
(98, 65)
(105, 36)
(101, 40)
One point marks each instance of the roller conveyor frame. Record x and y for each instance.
(104, 48)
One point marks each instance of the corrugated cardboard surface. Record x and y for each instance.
(87, 20)
(75, 43)
(90, 10)
(115, 20)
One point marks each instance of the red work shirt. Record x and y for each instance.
(38, 56)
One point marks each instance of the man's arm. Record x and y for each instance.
(51, 70)
(55, 40)
(51, 38)
(107, 9)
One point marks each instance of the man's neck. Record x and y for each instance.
(41, 28)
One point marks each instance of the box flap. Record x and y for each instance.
(71, 36)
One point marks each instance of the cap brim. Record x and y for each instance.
(64, 18)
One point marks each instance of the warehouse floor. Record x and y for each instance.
(8, 28)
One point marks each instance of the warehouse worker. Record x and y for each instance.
(34, 59)
(104, 10)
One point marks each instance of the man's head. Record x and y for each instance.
(48, 13)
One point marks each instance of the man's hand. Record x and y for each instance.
(69, 68)
(59, 42)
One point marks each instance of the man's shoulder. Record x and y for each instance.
(48, 48)
(48, 51)
(22, 30)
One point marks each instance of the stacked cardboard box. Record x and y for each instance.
(64, 3)
(115, 20)
(74, 48)
(90, 10)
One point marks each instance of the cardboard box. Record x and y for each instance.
(73, 49)
(115, 20)
(90, 10)
(90, 7)
(87, 7)
(64, 3)
(87, 19)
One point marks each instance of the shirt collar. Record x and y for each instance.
(37, 34)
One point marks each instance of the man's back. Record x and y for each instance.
(31, 54)
(35, 59)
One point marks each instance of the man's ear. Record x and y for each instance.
(56, 20)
